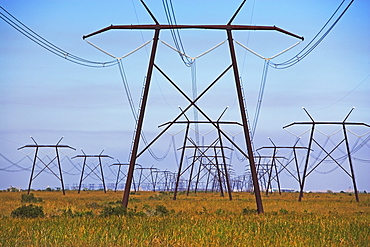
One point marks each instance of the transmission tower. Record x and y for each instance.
(205, 155)
(328, 153)
(147, 178)
(228, 28)
(92, 170)
(124, 175)
(46, 165)
(275, 160)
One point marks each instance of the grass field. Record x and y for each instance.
(201, 219)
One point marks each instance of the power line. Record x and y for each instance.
(33, 36)
(128, 92)
(171, 18)
(309, 48)
(260, 97)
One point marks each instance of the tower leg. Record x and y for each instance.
(33, 169)
(245, 123)
(133, 157)
(82, 174)
(350, 163)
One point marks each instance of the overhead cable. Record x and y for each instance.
(29, 33)
(135, 112)
(128, 91)
(171, 19)
(317, 39)
(260, 97)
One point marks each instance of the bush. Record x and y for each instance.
(30, 211)
(30, 198)
(132, 199)
(283, 211)
(12, 189)
(249, 211)
(117, 210)
(220, 211)
(161, 210)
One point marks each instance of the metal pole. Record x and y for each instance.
(102, 175)
(245, 123)
(191, 171)
(181, 161)
(33, 169)
(277, 177)
(225, 165)
(350, 162)
(82, 173)
(270, 173)
(119, 170)
(306, 163)
(198, 175)
(154, 181)
(258, 171)
(297, 166)
(140, 121)
(219, 174)
(208, 176)
(60, 169)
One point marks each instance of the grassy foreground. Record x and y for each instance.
(202, 219)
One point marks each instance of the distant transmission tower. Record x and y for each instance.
(92, 170)
(328, 154)
(275, 160)
(46, 165)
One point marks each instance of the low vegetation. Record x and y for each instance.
(94, 218)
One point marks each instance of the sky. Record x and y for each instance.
(48, 97)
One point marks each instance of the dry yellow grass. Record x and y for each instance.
(201, 219)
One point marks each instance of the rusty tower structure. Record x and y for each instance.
(157, 28)
(46, 165)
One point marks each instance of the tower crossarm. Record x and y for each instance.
(328, 123)
(215, 27)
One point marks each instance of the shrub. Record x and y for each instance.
(120, 210)
(132, 199)
(158, 210)
(30, 211)
(30, 198)
(220, 211)
(249, 211)
(161, 210)
(12, 189)
(283, 211)
(117, 210)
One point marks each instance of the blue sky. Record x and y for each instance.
(47, 97)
